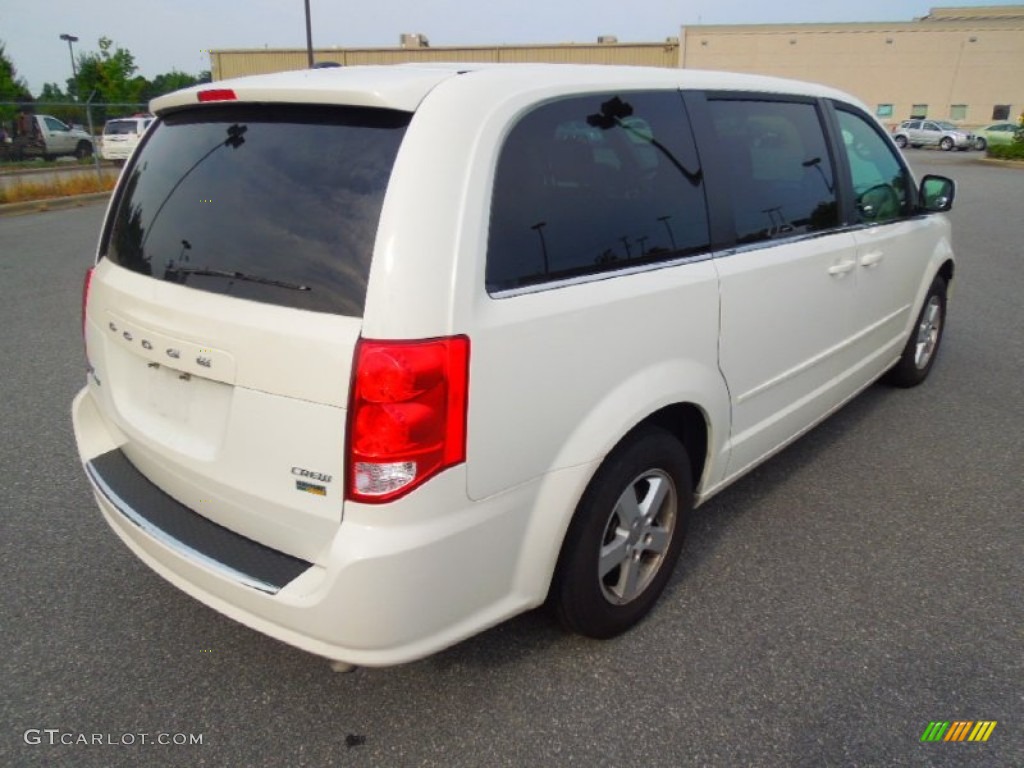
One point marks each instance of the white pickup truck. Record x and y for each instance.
(47, 137)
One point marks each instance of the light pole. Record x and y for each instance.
(309, 37)
(71, 50)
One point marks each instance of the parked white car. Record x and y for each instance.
(380, 357)
(121, 135)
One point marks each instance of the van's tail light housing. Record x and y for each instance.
(407, 415)
(86, 285)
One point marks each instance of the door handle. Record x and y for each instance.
(842, 267)
(870, 259)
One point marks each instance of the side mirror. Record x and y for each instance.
(937, 193)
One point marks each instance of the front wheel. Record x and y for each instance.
(980, 144)
(83, 150)
(946, 144)
(923, 345)
(625, 537)
(901, 142)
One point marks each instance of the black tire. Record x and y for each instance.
(649, 468)
(83, 150)
(946, 143)
(980, 144)
(901, 142)
(922, 347)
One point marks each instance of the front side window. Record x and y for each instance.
(54, 124)
(782, 179)
(880, 182)
(272, 204)
(592, 184)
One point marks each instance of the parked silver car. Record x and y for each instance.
(932, 133)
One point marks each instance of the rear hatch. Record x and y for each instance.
(121, 134)
(226, 304)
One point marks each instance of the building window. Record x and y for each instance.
(884, 110)
(1001, 112)
(958, 112)
(919, 111)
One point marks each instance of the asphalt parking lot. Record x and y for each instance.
(863, 583)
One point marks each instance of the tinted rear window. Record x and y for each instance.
(121, 127)
(275, 205)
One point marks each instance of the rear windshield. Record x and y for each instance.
(121, 127)
(273, 204)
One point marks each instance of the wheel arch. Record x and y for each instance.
(946, 270)
(687, 421)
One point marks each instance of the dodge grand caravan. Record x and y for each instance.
(380, 357)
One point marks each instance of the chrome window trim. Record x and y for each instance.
(507, 293)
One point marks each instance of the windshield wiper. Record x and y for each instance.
(186, 271)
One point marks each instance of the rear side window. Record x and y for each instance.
(591, 184)
(782, 178)
(278, 205)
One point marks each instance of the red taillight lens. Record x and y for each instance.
(407, 414)
(86, 285)
(217, 94)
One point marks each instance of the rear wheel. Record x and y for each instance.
(901, 142)
(626, 536)
(980, 144)
(946, 143)
(923, 345)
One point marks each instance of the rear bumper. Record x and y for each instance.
(397, 583)
(115, 152)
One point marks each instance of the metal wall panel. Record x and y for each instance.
(238, 63)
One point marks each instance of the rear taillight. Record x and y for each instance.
(86, 285)
(407, 415)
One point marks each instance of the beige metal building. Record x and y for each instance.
(236, 63)
(960, 64)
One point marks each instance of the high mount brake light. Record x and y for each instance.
(407, 415)
(217, 94)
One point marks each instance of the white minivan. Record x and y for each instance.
(121, 136)
(379, 357)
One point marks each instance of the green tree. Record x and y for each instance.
(168, 82)
(12, 87)
(52, 94)
(108, 77)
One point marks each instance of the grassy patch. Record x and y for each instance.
(1013, 151)
(37, 163)
(78, 184)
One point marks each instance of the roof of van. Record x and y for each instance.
(404, 86)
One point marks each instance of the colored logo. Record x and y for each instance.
(958, 730)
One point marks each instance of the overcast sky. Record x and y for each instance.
(173, 34)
